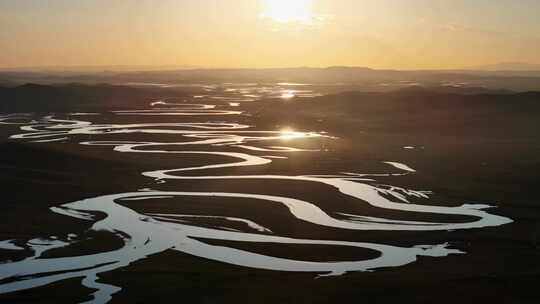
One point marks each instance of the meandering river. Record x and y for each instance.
(147, 234)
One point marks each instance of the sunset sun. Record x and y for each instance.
(286, 11)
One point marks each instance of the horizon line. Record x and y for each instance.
(182, 67)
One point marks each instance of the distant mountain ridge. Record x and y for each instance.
(509, 66)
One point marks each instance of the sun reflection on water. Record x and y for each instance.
(288, 94)
(288, 134)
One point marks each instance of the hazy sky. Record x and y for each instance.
(264, 33)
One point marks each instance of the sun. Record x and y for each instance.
(287, 11)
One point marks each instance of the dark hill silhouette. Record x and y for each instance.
(70, 97)
(413, 111)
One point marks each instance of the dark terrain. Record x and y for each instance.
(470, 146)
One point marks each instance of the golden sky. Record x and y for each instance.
(401, 34)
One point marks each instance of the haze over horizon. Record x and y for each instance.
(503, 66)
(416, 34)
